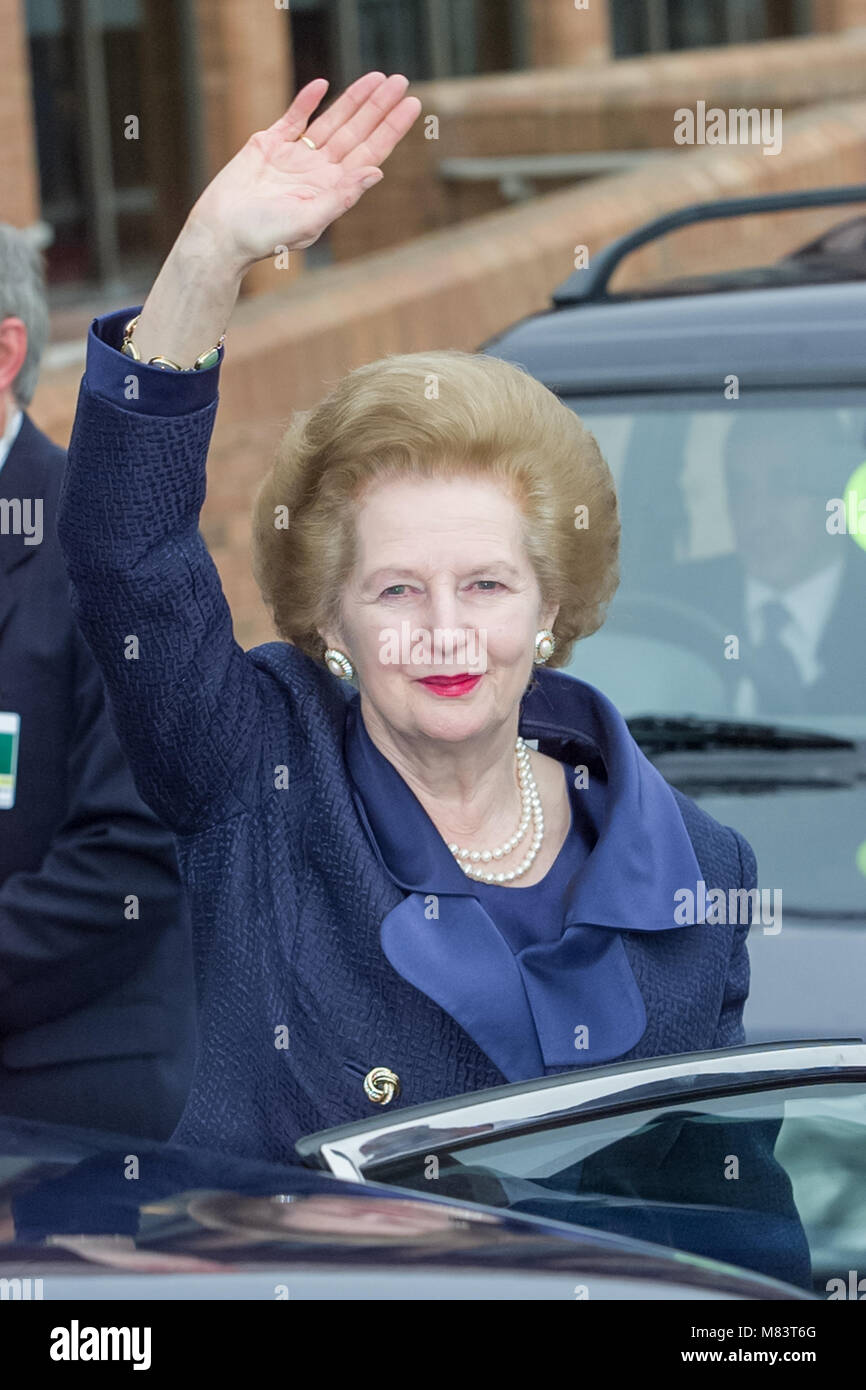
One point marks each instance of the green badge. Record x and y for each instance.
(10, 728)
(855, 505)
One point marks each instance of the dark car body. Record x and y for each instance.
(94, 1216)
(755, 1156)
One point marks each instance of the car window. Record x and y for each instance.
(772, 1181)
(743, 589)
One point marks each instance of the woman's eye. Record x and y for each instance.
(487, 586)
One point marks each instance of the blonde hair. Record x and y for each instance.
(433, 414)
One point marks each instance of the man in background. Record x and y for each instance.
(97, 1001)
(794, 591)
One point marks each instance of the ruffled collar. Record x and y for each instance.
(569, 999)
(643, 853)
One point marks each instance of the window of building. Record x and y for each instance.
(112, 108)
(340, 39)
(652, 26)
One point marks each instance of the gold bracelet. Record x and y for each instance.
(207, 359)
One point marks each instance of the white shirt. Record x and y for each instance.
(14, 421)
(809, 605)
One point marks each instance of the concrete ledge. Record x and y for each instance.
(625, 104)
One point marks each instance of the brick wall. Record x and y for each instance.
(245, 72)
(19, 184)
(628, 104)
(838, 14)
(563, 35)
(456, 287)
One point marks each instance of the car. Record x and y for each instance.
(754, 1156)
(95, 1216)
(731, 410)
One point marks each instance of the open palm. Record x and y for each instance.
(278, 192)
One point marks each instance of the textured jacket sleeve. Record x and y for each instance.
(184, 697)
(731, 1032)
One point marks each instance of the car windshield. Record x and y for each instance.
(743, 588)
(774, 1181)
(736, 643)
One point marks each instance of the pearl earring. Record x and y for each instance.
(545, 645)
(339, 664)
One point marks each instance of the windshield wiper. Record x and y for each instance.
(670, 734)
(699, 754)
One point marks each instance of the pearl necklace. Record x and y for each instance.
(471, 860)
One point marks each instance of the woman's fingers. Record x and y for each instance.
(293, 122)
(390, 131)
(345, 108)
(363, 125)
(378, 106)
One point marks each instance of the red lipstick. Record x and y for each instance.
(451, 685)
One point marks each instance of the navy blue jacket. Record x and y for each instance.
(298, 1000)
(97, 1008)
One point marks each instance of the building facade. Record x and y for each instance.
(114, 113)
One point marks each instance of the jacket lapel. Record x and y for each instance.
(566, 1003)
(461, 961)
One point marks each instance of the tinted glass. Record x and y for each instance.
(774, 1182)
(743, 589)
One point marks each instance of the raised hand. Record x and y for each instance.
(278, 191)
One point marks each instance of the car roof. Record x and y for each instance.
(784, 337)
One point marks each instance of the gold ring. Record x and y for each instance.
(307, 141)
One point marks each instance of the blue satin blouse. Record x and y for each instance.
(538, 975)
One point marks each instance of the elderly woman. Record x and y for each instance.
(421, 861)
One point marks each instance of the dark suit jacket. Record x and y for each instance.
(97, 1010)
(717, 587)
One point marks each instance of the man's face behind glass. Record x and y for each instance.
(778, 511)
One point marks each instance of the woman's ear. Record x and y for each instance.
(332, 639)
(548, 617)
(331, 633)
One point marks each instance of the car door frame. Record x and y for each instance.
(351, 1151)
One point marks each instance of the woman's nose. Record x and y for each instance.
(442, 608)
